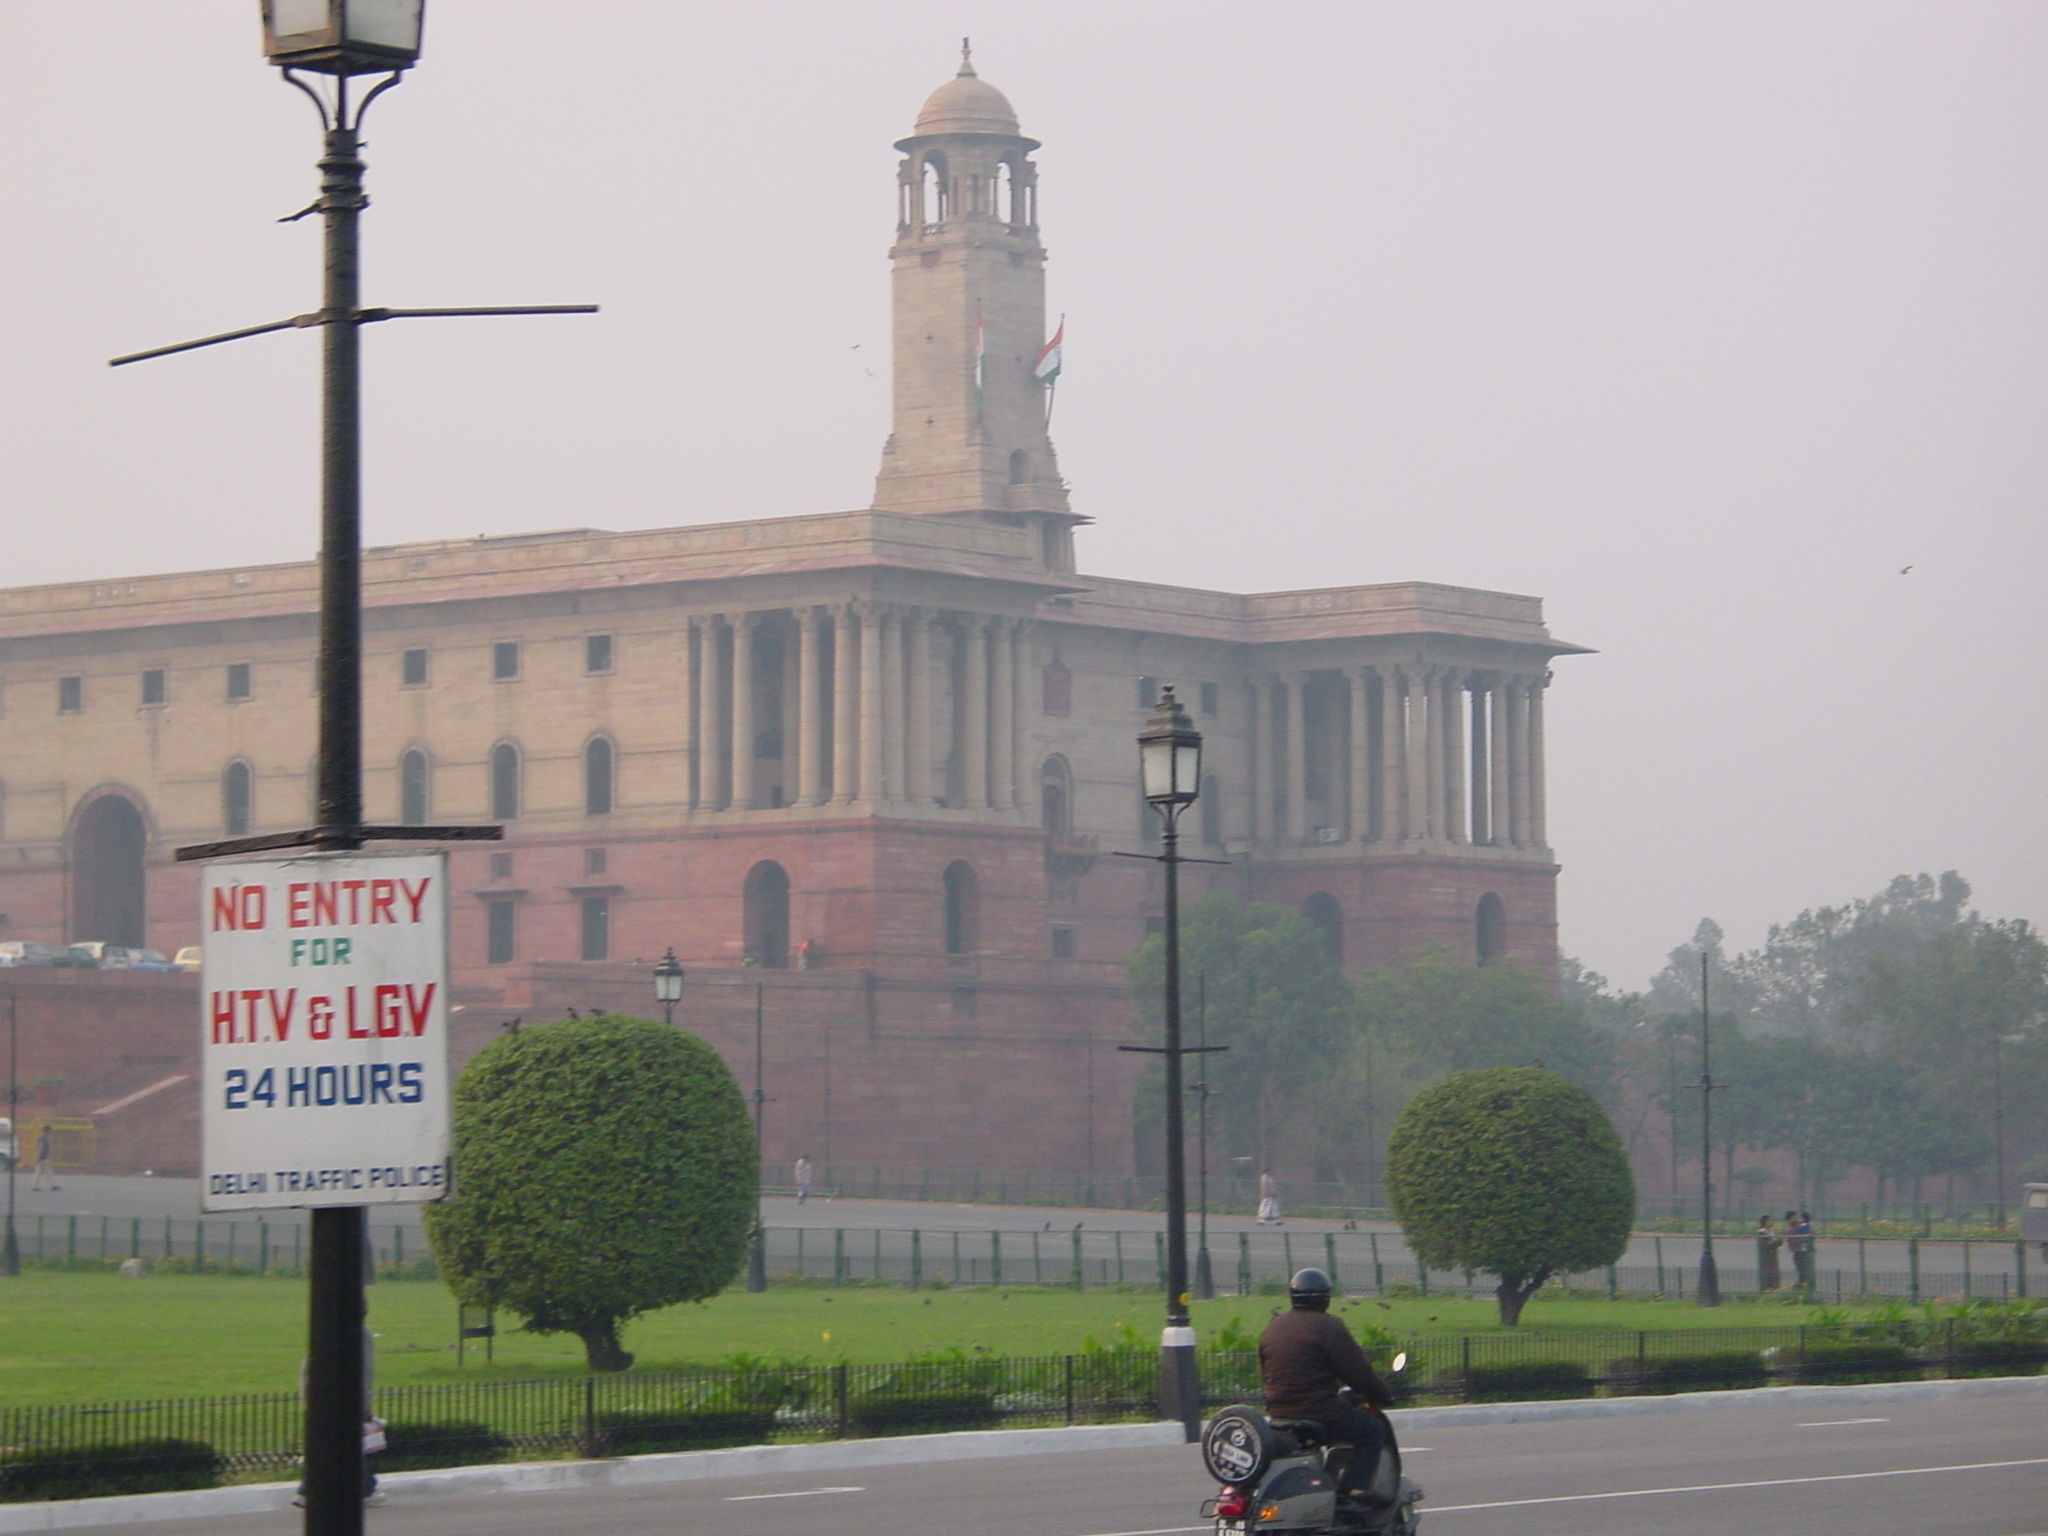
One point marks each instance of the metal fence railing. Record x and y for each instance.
(1241, 1261)
(72, 1450)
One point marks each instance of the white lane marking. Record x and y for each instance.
(1770, 1482)
(1832, 1423)
(794, 1493)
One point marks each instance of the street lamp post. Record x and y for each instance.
(1709, 1287)
(668, 985)
(1170, 769)
(10, 1253)
(757, 1261)
(1205, 1275)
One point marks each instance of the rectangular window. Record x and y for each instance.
(1063, 943)
(1148, 692)
(501, 932)
(238, 680)
(597, 928)
(501, 866)
(594, 861)
(153, 686)
(1059, 690)
(504, 660)
(412, 669)
(597, 653)
(70, 695)
(1208, 698)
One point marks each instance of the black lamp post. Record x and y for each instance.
(1205, 1276)
(10, 1253)
(1170, 769)
(1710, 1280)
(757, 1261)
(668, 985)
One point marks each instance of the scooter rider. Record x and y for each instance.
(1305, 1357)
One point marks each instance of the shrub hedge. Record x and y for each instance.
(1725, 1370)
(95, 1471)
(922, 1413)
(419, 1445)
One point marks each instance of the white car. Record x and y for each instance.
(7, 1148)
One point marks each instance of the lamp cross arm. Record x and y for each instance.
(316, 837)
(1160, 858)
(355, 317)
(1174, 1050)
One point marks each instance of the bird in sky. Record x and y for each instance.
(1906, 570)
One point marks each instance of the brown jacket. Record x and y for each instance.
(1305, 1357)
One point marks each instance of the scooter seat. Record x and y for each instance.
(1308, 1433)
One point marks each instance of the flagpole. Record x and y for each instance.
(1052, 392)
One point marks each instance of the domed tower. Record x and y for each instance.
(968, 290)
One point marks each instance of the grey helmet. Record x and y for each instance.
(1309, 1290)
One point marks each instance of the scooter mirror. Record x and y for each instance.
(1400, 1362)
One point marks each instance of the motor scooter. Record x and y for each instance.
(1282, 1475)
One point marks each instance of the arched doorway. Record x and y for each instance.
(1323, 911)
(107, 885)
(1490, 928)
(766, 922)
(963, 910)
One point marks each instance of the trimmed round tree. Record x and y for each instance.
(1514, 1171)
(604, 1167)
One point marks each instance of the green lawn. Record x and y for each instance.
(95, 1337)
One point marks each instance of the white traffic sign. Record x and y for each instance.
(324, 1031)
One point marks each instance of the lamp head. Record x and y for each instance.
(1170, 754)
(343, 37)
(668, 978)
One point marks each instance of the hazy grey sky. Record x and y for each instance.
(1699, 320)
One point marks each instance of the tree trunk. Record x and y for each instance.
(1513, 1297)
(601, 1349)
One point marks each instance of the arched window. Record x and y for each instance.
(1328, 917)
(963, 910)
(107, 844)
(1211, 803)
(932, 184)
(1003, 193)
(504, 781)
(1020, 467)
(597, 777)
(237, 794)
(766, 918)
(1490, 929)
(412, 788)
(1056, 797)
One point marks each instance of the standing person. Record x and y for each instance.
(1806, 1253)
(1767, 1245)
(46, 1167)
(1306, 1358)
(803, 1178)
(1269, 1198)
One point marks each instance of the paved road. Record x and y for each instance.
(1843, 1264)
(1969, 1468)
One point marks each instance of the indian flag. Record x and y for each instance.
(1047, 368)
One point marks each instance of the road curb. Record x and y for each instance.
(832, 1455)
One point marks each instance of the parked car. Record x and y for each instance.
(24, 952)
(7, 1147)
(78, 956)
(149, 960)
(187, 959)
(107, 957)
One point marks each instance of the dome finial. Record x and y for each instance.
(966, 60)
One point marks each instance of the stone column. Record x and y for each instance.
(845, 701)
(1002, 714)
(688, 712)
(809, 666)
(1481, 775)
(1360, 762)
(871, 726)
(1393, 762)
(1264, 798)
(891, 784)
(1023, 772)
(1518, 761)
(1500, 750)
(1415, 702)
(918, 708)
(742, 711)
(974, 714)
(1455, 797)
(712, 758)
(1297, 758)
(1433, 751)
(1539, 836)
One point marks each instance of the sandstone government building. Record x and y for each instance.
(863, 770)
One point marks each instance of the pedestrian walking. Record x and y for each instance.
(1807, 1256)
(1269, 1199)
(1768, 1277)
(803, 1178)
(46, 1165)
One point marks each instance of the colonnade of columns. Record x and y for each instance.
(1405, 753)
(855, 703)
